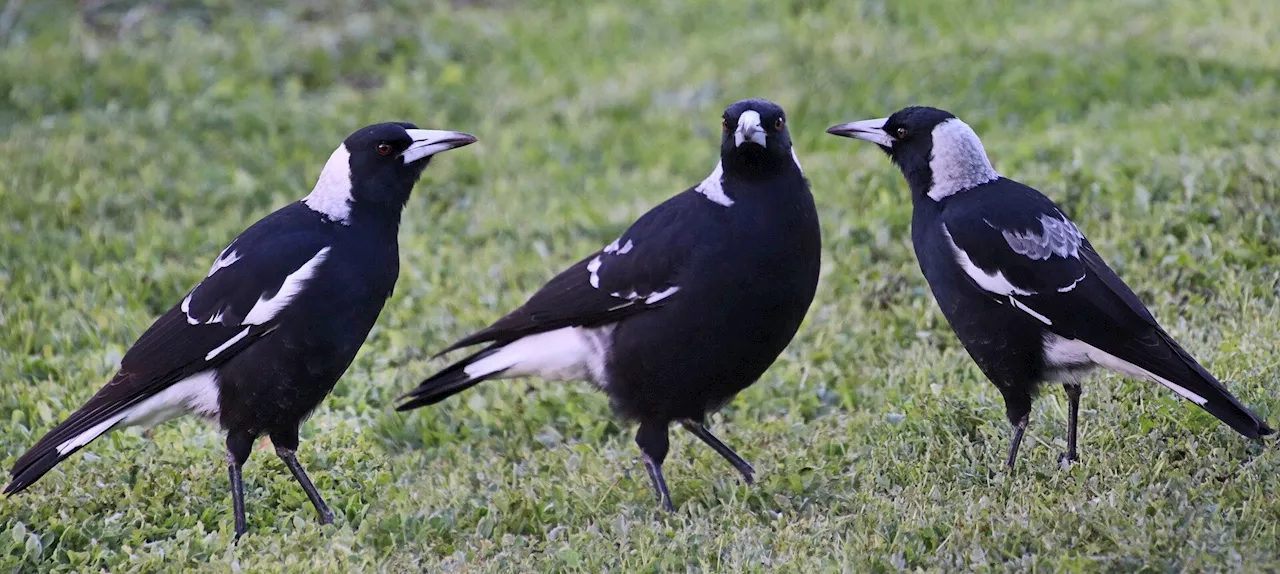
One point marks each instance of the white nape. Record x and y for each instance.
(796, 159)
(959, 161)
(564, 354)
(332, 193)
(713, 187)
(196, 394)
(1058, 236)
(1072, 354)
(267, 308)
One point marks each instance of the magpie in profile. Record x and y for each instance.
(1025, 292)
(684, 310)
(265, 335)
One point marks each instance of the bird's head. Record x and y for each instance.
(377, 166)
(755, 138)
(937, 153)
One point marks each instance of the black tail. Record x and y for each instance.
(1218, 400)
(91, 421)
(34, 464)
(448, 382)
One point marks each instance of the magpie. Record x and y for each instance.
(1024, 291)
(685, 309)
(262, 339)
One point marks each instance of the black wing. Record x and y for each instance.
(232, 308)
(637, 272)
(1017, 246)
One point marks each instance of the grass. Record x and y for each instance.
(137, 139)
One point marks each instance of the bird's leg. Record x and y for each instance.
(652, 439)
(238, 448)
(1019, 429)
(701, 431)
(1073, 422)
(286, 448)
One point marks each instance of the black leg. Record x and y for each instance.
(291, 460)
(238, 449)
(1073, 422)
(653, 442)
(701, 431)
(286, 444)
(1019, 429)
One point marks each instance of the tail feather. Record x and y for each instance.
(448, 382)
(50, 451)
(1165, 361)
(1217, 399)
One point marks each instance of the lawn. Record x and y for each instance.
(137, 139)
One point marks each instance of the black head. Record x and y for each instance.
(755, 139)
(937, 153)
(377, 167)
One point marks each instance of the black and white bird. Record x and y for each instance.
(265, 335)
(684, 310)
(1023, 289)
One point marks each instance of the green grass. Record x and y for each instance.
(136, 140)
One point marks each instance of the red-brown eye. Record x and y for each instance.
(384, 148)
(725, 123)
(778, 123)
(901, 132)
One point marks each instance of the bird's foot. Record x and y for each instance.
(665, 502)
(326, 516)
(1066, 459)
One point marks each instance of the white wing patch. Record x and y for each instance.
(331, 196)
(993, 282)
(197, 394)
(660, 295)
(713, 187)
(186, 309)
(1073, 283)
(1058, 236)
(593, 267)
(613, 247)
(225, 259)
(220, 348)
(1070, 354)
(268, 307)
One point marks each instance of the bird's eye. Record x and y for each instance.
(778, 123)
(724, 122)
(384, 148)
(901, 132)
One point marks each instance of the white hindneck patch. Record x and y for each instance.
(713, 187)
(959, 161)
(332, 193)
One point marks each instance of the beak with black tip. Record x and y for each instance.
(427, 143)
(869, 130)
